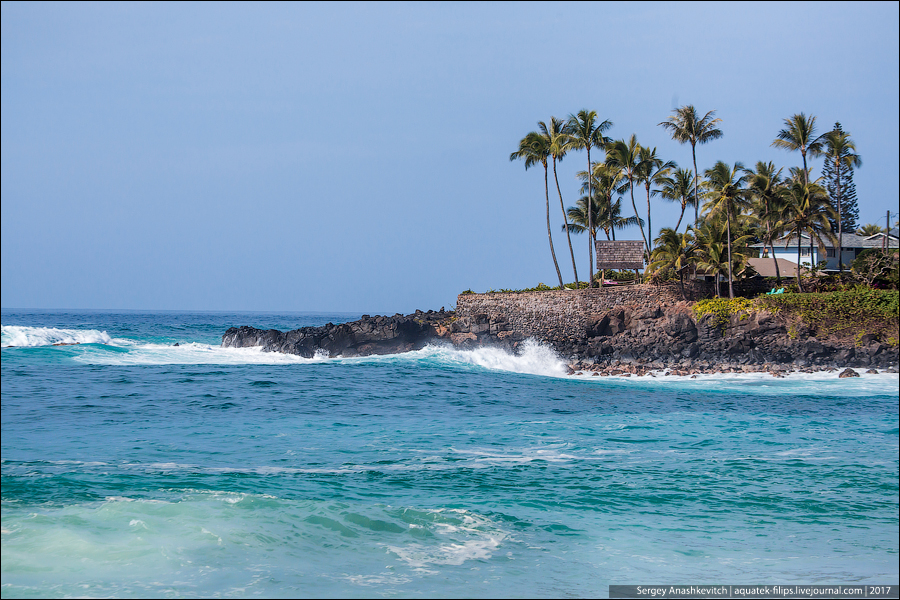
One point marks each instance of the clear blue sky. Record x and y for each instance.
(355, 157)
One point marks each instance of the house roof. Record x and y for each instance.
(766, 267)
(850, 240)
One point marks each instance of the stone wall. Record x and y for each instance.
(556, 315)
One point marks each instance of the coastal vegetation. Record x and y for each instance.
(859, 313)
(735, 207)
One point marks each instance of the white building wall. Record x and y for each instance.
(790, 254)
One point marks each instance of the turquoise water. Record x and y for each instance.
(132, 467)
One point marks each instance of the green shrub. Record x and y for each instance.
(853, 312)
(722, 308)
(619, 275)
(873, 266)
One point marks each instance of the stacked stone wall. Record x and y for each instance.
(555, 315)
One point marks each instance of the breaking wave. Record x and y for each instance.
(16, 336)
(532, 357)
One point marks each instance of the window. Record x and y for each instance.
(830, 253)
(804, 251)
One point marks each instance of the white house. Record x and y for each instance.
(786, 248)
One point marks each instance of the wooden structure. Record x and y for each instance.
(620, 254)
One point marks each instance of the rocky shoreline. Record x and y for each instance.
(366, 336)
(666, 339)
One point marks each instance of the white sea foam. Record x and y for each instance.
(469, 536)
(22, 336)
(485, 456)
(532, 357)
(191, 354)
(823, 382)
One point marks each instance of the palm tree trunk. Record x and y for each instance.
(812, 263)
(775, 260)
(696, 195)
(728, 226)
(549, 233)
(649, 227)
(805, 172)
(602, 271)
(566, 221)
(772, 247)
(680, 217)
(799, 285)
(634, 206)
(590, 219)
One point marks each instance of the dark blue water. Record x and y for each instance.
(134, 467)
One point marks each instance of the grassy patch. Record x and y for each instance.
(722, 308)
(853, 313)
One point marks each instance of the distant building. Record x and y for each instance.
(765, 267)
(786, 249)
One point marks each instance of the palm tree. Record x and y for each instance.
(840, 151)
(585, 133)
(679, 188)
(623, 156)
(808, 211)
(559, 145)
(685, 127)
(652, 171)
(611, 219)
(728, 197)
(604, 215)
(609, 181)
(870, 230)
(768, 205)
(711, 250)
(673, 251)
(534, 148)
(798, 134)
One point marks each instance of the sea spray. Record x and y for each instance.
(30, 337)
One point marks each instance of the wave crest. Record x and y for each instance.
(29, 337)
(532, 357)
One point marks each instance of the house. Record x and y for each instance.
(765, 267)
(786, 248)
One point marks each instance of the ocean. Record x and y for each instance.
(146, 461)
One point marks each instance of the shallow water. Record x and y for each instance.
(133, 467)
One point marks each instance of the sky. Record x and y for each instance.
(355, 157)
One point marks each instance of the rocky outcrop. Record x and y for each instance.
(637, 334)
(669, 336)
(368, 335)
